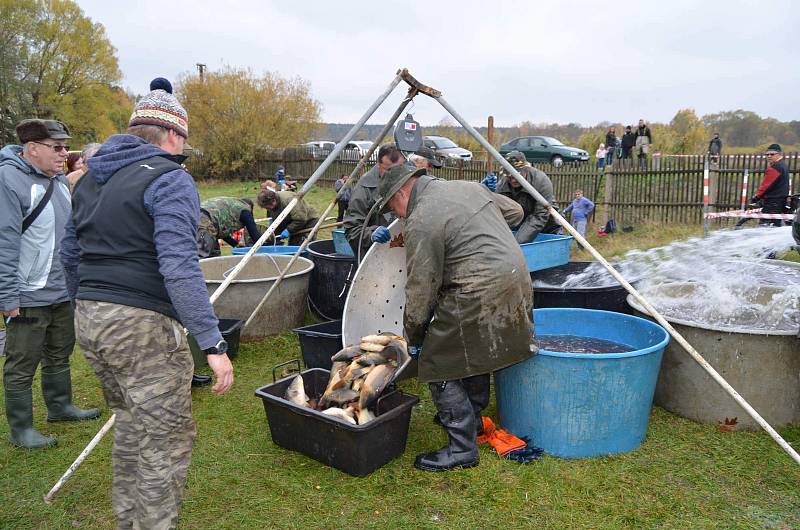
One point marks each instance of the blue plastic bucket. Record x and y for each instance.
(576, 405)
(271, 249)
(547, 250)
(340, 242)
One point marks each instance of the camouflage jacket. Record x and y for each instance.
(362, 198)
(225, 213)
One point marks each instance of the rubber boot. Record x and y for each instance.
(478, 389)
(57, 392)
(458, 419)
(19, 411)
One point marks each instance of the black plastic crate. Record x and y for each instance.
(357, 450)
(230, 329)
(319, 342)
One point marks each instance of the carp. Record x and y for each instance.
(374, 384)
(347, 354)
(364, 416)
(342, 414)
(372, 358)
(296, 393)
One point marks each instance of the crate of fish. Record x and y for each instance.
(351, 417)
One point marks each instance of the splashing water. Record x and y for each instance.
(732, 286)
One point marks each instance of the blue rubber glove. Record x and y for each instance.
(527, 454)
(414, 351)
(490, 181)
(381, 235)
(284, 235)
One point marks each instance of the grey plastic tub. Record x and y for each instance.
(763, 366)
(286, 306)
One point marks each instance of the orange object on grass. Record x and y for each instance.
(503, 441)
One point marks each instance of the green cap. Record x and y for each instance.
(393, 180)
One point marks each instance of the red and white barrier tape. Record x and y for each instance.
(751, 214)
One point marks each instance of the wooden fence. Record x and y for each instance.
(666, 189)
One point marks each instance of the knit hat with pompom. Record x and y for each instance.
(159, 107)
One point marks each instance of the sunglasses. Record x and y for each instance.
(56, 148)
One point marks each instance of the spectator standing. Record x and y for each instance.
(34, 208)
(581, 208)
(774, 189)
(611, 143)
(715, 147)
(600, 154)
(643, 140)
(136, 283)
(344, 200)
(628, 141)
(79, 170)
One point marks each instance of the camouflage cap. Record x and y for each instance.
(517, 159)
(393, 180)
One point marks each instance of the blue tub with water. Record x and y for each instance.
(270, 249)
(576, 405)
(546, 251)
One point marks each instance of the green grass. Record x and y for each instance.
(685, 475)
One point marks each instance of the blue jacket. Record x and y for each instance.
(173, 203)
(580, 208)
(30, 273)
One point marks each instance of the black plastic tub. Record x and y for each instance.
(230, 329)
(319, 342)
(609, 297)
(327, 288)
(357, 450)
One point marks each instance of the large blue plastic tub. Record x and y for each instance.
(547, 250)
(271, 249)
(582, 405)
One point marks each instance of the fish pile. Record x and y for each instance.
(358, 377)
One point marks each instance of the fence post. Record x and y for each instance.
(713, 184)
(608, 192)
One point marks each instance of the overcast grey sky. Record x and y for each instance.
(577, 61)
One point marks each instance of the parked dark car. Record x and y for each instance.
(446, 149)
(544, 149)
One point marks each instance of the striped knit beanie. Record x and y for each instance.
(159, 107)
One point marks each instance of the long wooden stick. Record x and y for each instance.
(81, 457)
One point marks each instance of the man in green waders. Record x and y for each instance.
(468, 298)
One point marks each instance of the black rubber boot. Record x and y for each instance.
(458, 419)
(57, 392)
(200, 380)
(19, 411)
(479, 390)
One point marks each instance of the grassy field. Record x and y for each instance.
(685, 475)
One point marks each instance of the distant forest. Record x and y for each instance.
(740, 130)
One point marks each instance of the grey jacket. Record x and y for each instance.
(468, 292)
(362, 198)
(536, 214)
(30, 271)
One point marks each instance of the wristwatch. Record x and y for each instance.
(220, 348)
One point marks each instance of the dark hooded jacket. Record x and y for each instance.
(536, 214)
(468, 293)
(172, 202)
